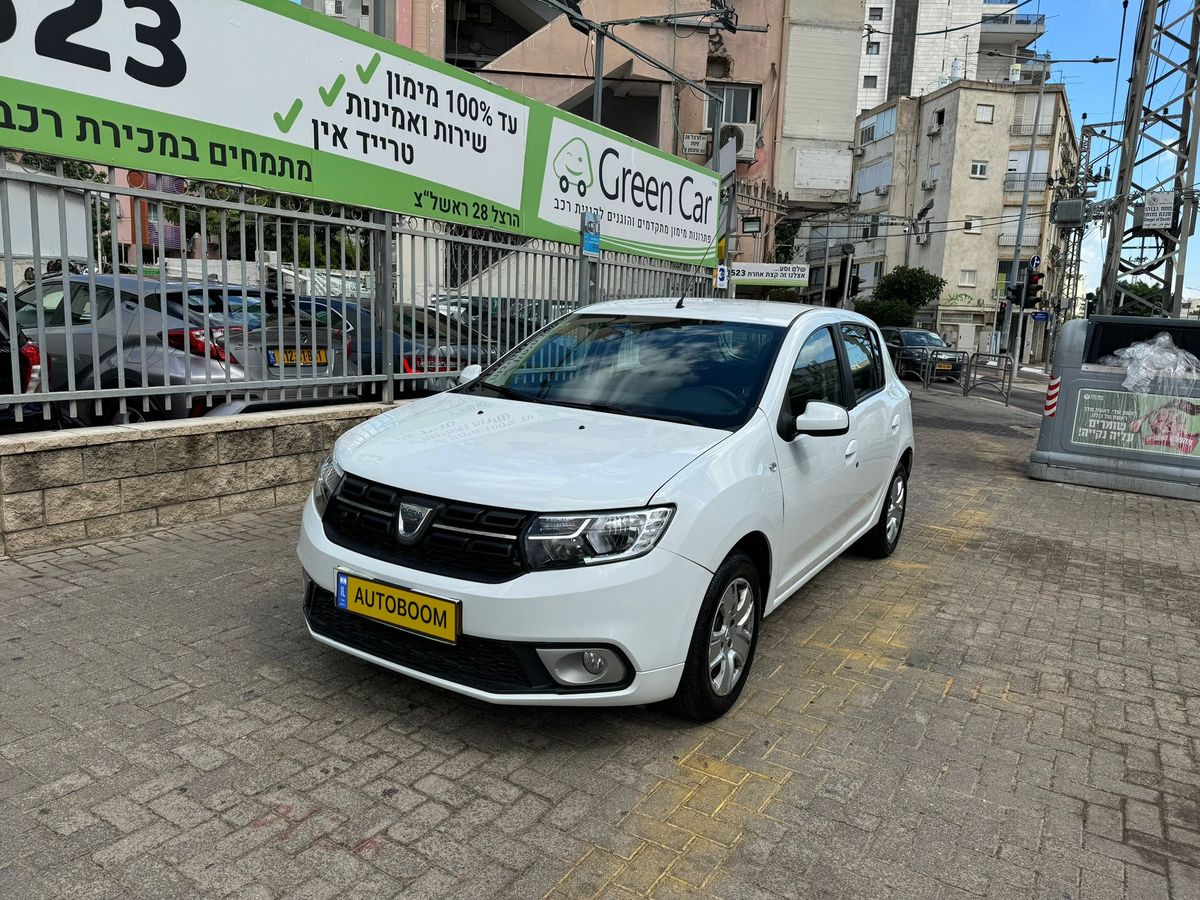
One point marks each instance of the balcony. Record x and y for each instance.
(1014, 182)
(1020, 129)
(1012, 28)
(1027, 240)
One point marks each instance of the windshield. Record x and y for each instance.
(923, 339)
(698, 372)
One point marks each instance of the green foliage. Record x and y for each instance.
(1147, 292)
(785, 240)
(787, 295)
(911, 285)
(887, 312)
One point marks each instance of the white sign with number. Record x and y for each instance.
(695, 144)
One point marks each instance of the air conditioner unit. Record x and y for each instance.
(922, 238)
(934, 130)
(929, 184)
(746, 136)
(883, 190)
(859, 151)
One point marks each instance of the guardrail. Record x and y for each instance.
(990, 370)
(130, 296)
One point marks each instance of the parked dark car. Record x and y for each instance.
(29, 377)
(424, 342)
(911, 347)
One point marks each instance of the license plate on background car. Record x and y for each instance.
(290, 356)
(944, 367)
(404, 609)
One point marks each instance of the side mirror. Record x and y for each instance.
(818, 420)
(470, 373)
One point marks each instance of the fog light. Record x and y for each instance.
(594, 663)
(583, 666)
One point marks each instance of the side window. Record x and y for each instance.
(81, 304)
(816, 374)
(52, 311)
(866, 363)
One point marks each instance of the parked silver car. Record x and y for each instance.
(209, 341)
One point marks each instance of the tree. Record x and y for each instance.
(885, 313)
(912, 285)
(785, 240)
(1147, 292)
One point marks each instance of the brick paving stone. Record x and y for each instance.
(1007, 708)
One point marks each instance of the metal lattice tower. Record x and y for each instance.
(1158, 154)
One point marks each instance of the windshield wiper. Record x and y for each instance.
(508, 393)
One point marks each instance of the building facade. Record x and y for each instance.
(939, 182)
(915, 47)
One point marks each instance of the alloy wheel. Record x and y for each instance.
(731, 636)
(897, 497)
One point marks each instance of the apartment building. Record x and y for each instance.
(913, 47)
(938, 182)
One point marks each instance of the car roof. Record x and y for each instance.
(150, 283)
(761, 312)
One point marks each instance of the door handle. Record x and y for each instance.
(851, 449)
(896, 423)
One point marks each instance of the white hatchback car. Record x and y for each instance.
(605, 515)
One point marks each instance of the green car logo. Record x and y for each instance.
(573, 166)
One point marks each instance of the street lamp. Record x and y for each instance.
(1013, 315)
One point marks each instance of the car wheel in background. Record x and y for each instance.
(723, 642)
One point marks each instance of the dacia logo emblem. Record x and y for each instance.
(412, 521)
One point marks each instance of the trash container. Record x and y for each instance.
(1123, 407)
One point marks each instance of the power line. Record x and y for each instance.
(985, 20)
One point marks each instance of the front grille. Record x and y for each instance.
(465, 541)
(494, 666)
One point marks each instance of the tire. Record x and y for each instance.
(563, 184)
(734, 586)
(882, 540)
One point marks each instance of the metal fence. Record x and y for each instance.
(127, 296)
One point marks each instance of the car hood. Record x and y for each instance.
(516, 455)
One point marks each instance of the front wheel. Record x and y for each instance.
(881, 541)
(723, 642)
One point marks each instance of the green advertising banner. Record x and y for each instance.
(1148, 423)
(267, 94)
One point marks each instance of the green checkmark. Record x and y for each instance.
(285, 123)
(330, 96)
(366, 74)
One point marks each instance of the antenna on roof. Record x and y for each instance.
(679, 305)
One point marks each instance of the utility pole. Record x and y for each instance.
(825, 260)
(1013, 329)
(1013, 315)
(1158, 155)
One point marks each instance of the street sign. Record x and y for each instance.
(770, 274)
(722, 278)
(1035, 263)
(1041, 317)
(695, 144)
(590, 234)
(1159, 211)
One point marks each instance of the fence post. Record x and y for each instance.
(386, 310)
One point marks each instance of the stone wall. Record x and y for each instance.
(67, 486)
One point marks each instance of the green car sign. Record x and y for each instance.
(573, 166)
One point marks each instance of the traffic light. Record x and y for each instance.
(1013, 295)
(855, 285)
(1091, 304)
(1033, 289)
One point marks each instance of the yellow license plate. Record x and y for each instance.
(418, 613)
(944, 367)
(290, 356)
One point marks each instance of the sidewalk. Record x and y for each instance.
(1007, 708)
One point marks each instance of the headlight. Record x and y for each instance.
(560, 541)
(329, 479)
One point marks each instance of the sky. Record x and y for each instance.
(1082, 29)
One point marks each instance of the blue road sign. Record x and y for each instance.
(1035, 263)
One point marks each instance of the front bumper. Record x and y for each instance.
(644, 610)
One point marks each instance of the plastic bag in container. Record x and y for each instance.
(1157, 366)
(1112, 360)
